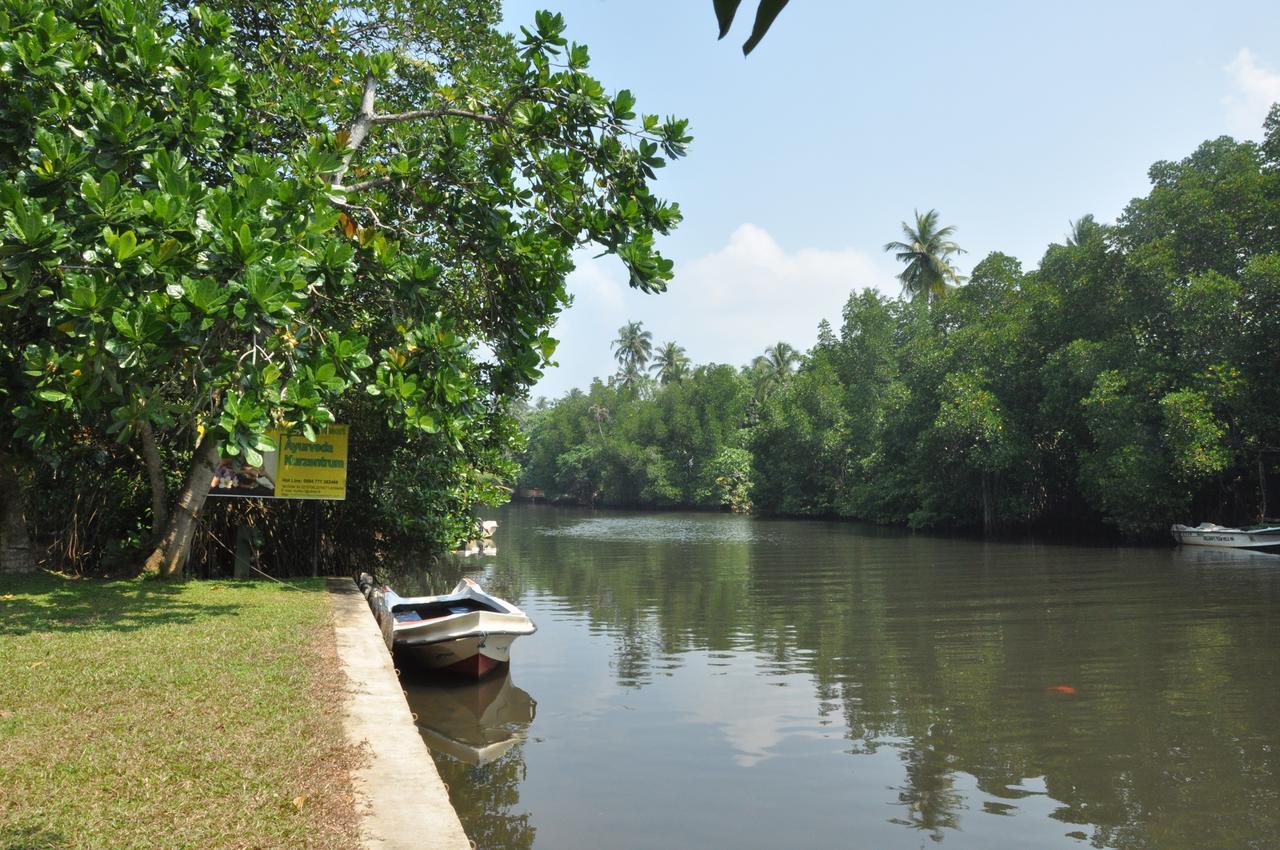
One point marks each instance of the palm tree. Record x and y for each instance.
(927, 252)
(601, 414)
(671, 364)
(772, 369)
(1084, 229)
(632, 348)
(781, 359)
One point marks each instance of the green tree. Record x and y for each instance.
(221, 220)
(633, 348)
(670, 364)
(800, 446)
(1128, 381)
(600, 414)
(732, 475)
(780, 360)
(1083, 230)
(770, 370)
(927, 254)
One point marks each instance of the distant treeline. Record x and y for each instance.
(1133, 379)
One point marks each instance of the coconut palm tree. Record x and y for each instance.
(781, 359)
(601, 414)
(771, 369)
(671, 363)
(632, 348)
(1084, 229)
(927, 253)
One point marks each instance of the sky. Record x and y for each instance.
(1011, 119)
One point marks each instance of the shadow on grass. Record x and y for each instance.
(41, 602)
(30, 838)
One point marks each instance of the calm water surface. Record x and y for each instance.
(704, 681)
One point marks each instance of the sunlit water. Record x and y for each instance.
(705, 680)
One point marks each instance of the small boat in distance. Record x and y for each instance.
(466, 631)
(1255, 539)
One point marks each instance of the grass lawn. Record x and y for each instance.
(147, 714)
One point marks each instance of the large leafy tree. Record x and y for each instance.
(224, 219)
(926, 252)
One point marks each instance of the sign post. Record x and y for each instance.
(298, 469)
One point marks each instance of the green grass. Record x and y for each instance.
(154, 715)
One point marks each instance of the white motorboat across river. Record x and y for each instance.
(1257, 539)
(466, 631)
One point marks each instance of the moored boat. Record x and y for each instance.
(467, 631)
(1256, 539)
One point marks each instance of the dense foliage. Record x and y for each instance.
(621, 444)
(1130, 380)
(228, 218)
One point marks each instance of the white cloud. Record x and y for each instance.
(723, 307)
(592, 284)
(728, 305)
(1256, 89)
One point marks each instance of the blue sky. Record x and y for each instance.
(1010, 118)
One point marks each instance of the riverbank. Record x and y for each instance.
(402, 796)
(147, 714)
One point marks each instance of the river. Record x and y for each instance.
(708, 681)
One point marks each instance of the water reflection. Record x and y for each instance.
(476, 731)
(708, 680)
(1234, 557)
(670, 528)
(473, 722)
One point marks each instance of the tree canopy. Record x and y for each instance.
(1127, 382)
(225, 219)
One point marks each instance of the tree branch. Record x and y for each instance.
(366, 185)
(441, 112)
(359, 130)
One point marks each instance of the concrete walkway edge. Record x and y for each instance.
(404, 803)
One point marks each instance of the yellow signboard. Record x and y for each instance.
(299, 469)
(307, 470)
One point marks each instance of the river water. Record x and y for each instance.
(707, 681)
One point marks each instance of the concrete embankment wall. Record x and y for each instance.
(404, 801)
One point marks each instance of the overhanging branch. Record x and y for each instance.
(442, 112)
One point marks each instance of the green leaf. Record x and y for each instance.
(121, 322)
(167, 251)
(766, 13)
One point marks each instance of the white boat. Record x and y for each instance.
(467, 631)
(1256, 539)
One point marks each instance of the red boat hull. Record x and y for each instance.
(476, 666)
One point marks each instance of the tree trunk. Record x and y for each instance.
(988, 512)
(16, 554)
(1262, 490)
(155, 476)
(170, 555)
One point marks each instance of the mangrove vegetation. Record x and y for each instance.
(1127, 382)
